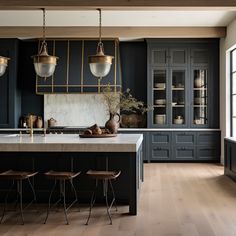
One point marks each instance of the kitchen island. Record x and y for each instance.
(70, 152)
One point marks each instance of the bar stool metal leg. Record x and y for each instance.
(108, 207)
(6, 199)
(62, 192)
(76, 197)
(19, 191)
(114, 197)
(93, 199)
(33, 191)
(49, 201)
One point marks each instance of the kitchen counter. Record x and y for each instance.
(69, 143)
(69, 152)
(68, 128)
(232, 139)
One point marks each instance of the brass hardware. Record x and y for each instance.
(31, 126)
(82, 85)
(4, 60)
(67, 65)
(82, 67)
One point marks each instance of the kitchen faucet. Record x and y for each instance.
(31, 126)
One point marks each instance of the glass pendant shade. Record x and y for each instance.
(100, 64)
(44, 64)
(3, 64)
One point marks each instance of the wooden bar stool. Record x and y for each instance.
(61, 178)
(106, 177)
(17, 177)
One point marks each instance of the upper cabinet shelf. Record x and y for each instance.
(72, 74)
(183, 83)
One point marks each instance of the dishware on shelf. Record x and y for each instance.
(160, 119)
(199, 82)
(160, 85)
(160, 101)
(198, 121)
(179, 120)
(179, 86)
(174, 103)
(199, 101)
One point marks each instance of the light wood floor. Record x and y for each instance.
(176, 199)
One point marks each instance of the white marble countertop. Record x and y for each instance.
(120, 129)
(69, 143)
(165, 129)
(232, 139)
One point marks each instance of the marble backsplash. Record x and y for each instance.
(75, 109)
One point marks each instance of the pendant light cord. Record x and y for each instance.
(43, 49)
(44, 24)
(100, 26)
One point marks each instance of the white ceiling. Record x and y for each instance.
(118, 18)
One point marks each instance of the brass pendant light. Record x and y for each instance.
(44, 64)
(100, 64)
(3, 64)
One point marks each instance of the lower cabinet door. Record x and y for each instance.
(208, 153)
(160, 153)
(184, 138)
(184, 153)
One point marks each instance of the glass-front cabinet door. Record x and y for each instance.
(159, 97)
(178, 97)
(199, 104)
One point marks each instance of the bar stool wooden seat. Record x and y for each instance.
(106, 177)
(17, 177)
(61, 177)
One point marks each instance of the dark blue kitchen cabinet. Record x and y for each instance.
(186, 138)
(183, 83)
(229, 158)
(160, 138)
(183, 153)
(10, 106)
(72, 74)
(161, 153)
(183, 145)
(145, 141)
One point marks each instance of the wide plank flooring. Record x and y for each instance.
(177, 199)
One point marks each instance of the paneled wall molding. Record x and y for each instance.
(114, 32)
(117, 4)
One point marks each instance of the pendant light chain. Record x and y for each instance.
(100, 27)
(43, 49)
(44, 24)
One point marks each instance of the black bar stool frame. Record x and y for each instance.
(18, 182)
(105, 182)
(62, 198)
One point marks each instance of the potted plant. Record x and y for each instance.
(132, 111)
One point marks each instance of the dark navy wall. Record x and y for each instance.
(18, 92)
(133, 57)
(30, 102)
(10, 93)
